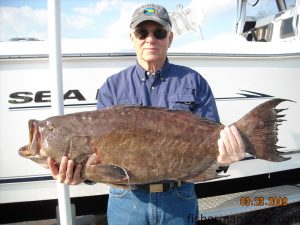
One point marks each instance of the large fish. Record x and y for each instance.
(124, 145)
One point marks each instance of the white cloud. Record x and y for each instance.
(22, 22)
(212, 7)
(204, 10)
(120, 11)
(121, 26)
(92, 10)
(98, 8)
(77, 22)
(28, 22)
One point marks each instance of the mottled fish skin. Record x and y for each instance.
(137, 145)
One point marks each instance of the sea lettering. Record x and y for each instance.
(23, 97)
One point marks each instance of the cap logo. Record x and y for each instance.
(149, 11)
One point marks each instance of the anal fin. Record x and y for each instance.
(209, 174)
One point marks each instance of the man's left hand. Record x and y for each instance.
(231, 146)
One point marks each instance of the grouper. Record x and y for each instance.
(122, 145)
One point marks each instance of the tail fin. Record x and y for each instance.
(258, 129)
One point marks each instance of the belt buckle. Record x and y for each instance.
(154, 188)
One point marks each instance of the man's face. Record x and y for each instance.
(152, 48)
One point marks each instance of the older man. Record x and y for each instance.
(154, 81)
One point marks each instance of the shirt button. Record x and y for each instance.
(152, 88)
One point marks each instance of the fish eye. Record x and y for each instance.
(49, 125)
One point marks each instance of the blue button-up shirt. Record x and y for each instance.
(173, 87)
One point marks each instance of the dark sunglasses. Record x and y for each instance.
(158, 33)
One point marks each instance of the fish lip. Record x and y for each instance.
(24, 151)
(27, 150)
(30, 127)
(34, 137)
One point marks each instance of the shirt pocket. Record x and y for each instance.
(184, 102)
(127, 101)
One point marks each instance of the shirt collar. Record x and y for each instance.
(142, 73)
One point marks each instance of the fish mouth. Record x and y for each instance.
(34, 149)
(25, 152)
(34, 146)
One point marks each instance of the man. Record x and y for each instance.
(154, 81)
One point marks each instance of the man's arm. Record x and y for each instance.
(104, 96)
(230, 144)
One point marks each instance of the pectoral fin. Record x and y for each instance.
(111, 172)
(106, 173)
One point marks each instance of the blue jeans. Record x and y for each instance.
(174, 207)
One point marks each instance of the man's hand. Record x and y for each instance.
(231, 146)
(67, 172)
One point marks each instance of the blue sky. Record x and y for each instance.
(99, 19)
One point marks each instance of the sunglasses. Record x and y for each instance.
(158, 33)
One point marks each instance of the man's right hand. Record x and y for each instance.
(67, 172)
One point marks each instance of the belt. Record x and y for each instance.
(159, 187)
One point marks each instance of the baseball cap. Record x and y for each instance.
(150, 12)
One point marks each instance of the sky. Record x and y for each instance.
(102, 19)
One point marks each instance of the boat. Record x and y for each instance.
(259, 60)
